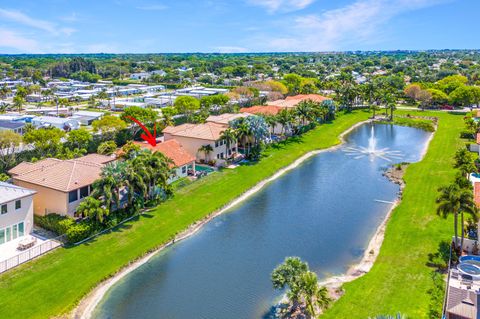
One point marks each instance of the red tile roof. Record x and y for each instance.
(262, 109)
(478, 138)
(206, 131)
(171, 149)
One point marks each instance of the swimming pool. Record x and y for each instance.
(469, 269)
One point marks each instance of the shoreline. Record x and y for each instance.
(89, 302)
(357, 270)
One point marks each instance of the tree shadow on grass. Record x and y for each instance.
(440, 258)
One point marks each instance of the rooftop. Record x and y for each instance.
(9, 192)
(225, 118)
(62, 175)
(171, 149)
(262, 109)
(206, 131)
(11, 124)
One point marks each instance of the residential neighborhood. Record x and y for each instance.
(270, 159)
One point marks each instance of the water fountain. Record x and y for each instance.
(372, 151)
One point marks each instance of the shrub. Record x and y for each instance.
(78, 232)
(54, 222)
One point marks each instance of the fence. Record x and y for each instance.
(28, 255)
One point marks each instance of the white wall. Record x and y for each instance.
(23, 214)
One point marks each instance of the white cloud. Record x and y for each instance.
(281, 5)
(153, 7)
(12, 40)
(23, 19)
(361, 22)
(230, 49)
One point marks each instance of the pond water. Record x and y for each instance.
(325, 211)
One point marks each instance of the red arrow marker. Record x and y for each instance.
(151, 139)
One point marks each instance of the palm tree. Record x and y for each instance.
(135, 183)
(454, 200)
(229, 136)
(206, 150)
(304, 111)
(285, 118)
(271, 121)
(315, 295)
(244, 134)
(92, 209)
(18, 102)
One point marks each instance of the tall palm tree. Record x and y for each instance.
(229, 136)
(206, 150)
(244, 134)
(454, 200)
(315, 296)
(285, 118)
(135, 183)
(304, 111)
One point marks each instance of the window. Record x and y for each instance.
(14, 231)
(8, 232)
(221, 155)
(21, 229)
(218, 156)
(2, 236)
(18, 204)
(184, 169)
(216, 143)
(84, 192)
(72, 196)
(4, 209)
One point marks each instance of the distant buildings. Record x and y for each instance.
(62, 123)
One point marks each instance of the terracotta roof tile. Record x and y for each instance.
(206, 131)
(171, 149)
(476, 193)
(225, 118)
(61, 175)
(262, 109)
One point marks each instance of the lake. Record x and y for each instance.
(325, 211)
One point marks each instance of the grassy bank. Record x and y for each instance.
(53, 284)
(400, 278)
(417, 122)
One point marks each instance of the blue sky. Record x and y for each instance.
(139, 26)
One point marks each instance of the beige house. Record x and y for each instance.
(60, 185)
(16, 212)
(193, 136)
(225, 118)
(183, 161)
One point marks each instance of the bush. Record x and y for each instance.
(54, 222)
(467, 134)
(78, 232)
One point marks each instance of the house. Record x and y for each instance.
(194, 136)
(293, 101)
(226, 118)
(63, 123)
(60, 185)
(35, 98)
(268, 110)
(16, 212)
(262, 109)
(140, 76)
(14, 126)
(183, 161)
(87, 117)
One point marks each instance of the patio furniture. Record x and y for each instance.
(26, 243)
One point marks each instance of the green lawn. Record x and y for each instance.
(53, 284)
(400, 279)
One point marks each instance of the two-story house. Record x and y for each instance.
(16, 212)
